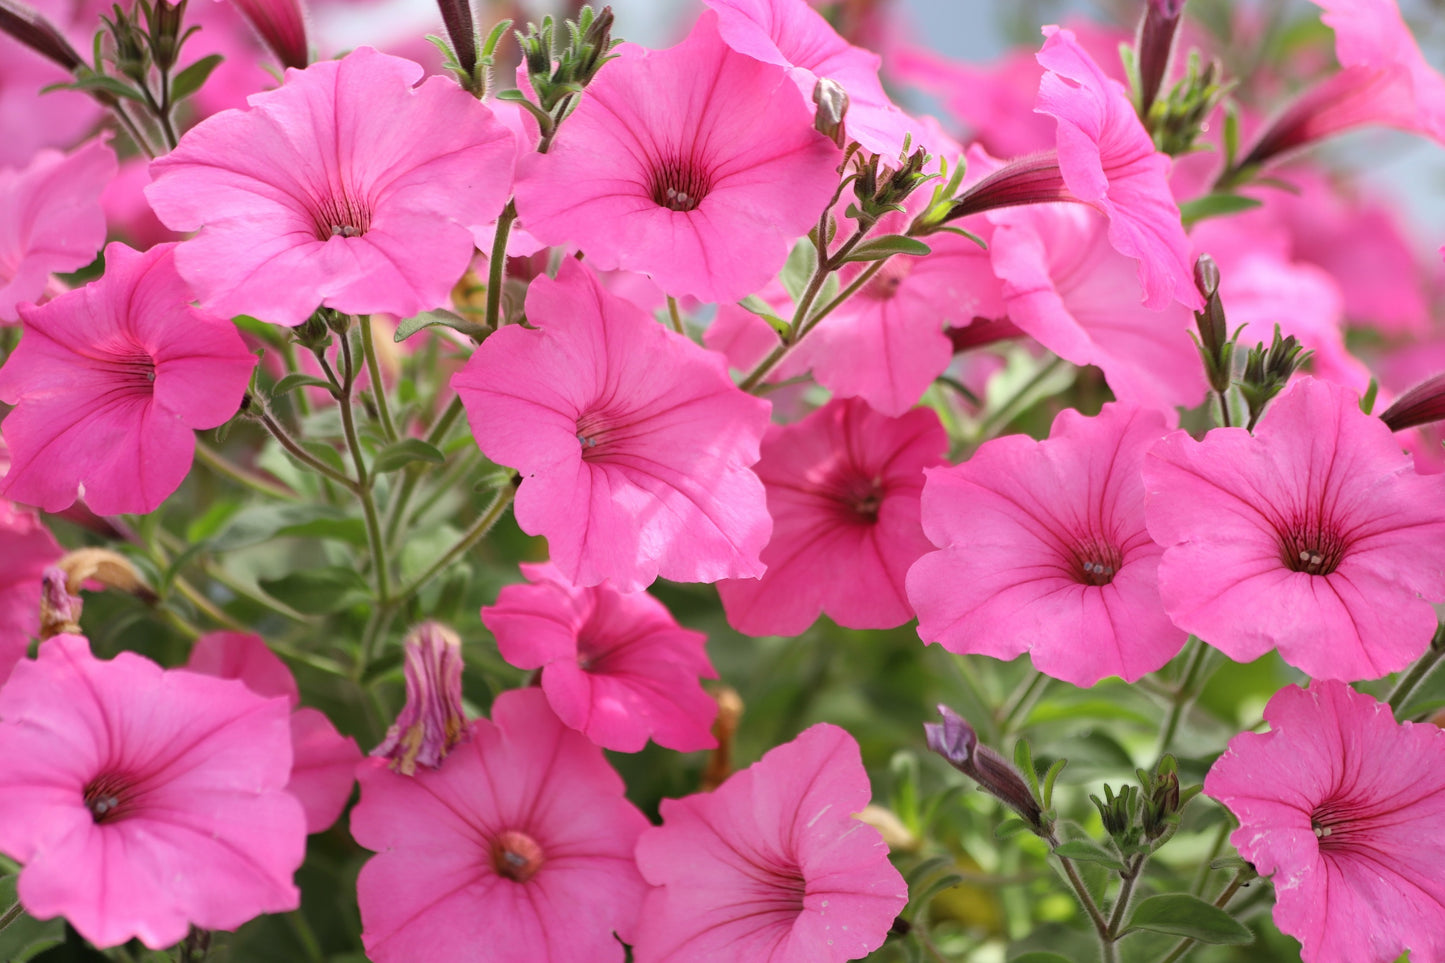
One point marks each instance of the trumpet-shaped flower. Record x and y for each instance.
(1044, 550)
(697, 165)
(110, 380)
(633, 444)
(615, 665)
(1341, 806)
(143, 801)
(347, 187)
(1314, 536)
(519, 848)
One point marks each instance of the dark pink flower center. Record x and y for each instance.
(679, 183)
(858, 497)
(516, 856)
(1312, 548)
(593, 429)
(341, 216)
(884, 285)
(1344, 825)
(1096, 561)
(131, 366)
(108, 797)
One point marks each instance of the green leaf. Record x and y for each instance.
(293, 381)
(798, 269)
(100, 82)
(1215, 205)
(25, 935)
(1179, 914)
(1088, 851)
(402, 453)
(1367, 401)
(448, 319)
(255, 524)
(319, 591)
(1024, 761)
(191, 79)
(1049, 778)
(763, 310)
(1041, 956)
(886, 246)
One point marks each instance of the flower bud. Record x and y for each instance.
(26, 25)
(163, 24)
(281, 26)
(1155, 47)
(462, 31)
(1162, 800)
(1117, 812)
(1267, 371)
(832, 103)
(132, 55)
(431, 722)
(1215, 345)
(1031, 179)
(1420, 405)
(955, 740)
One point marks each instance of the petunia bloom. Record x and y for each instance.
(109, 382)
(518, 848)
(1341, 806)
(347, 187)
(633, 443)
(771, 865)
(696, 165)
(143, 801)
(26, 549)
(843, 489)
(1314, 536)
(615, 665)
(1044, 550)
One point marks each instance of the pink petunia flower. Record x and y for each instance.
(26, 549)
(1313, 536)
(142, 801)
(1342, 807)
(632, 441)
(519, 848)
(323, 760)
(615, 665)
(51, 220)
(1044, 550)
(110, 380)
(771, 865)
(347, 187)
(697, 165)
(843, 489)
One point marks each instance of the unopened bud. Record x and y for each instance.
(1031, 179)
(432, 721)
(281, 26)
(1267, 371)
(832, 103)
(955, 740)
(1420, 405)
(1117, 812)
(462, 31)
(163, 22)
(26, 25)
(132, 55)
(1155, 47)
(1216, 347)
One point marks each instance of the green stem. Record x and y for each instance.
(674, 317)
(306, 936)
(379, 560)
(497, 266)
(396, 511)
(853, 287)
(1224, 409)
(11, 915)
(1086, 899)
(117, 109)
(299, 453)
(214, 612)
(1004, 413)
(1021, 701)
(1127, 881)
(373, 369)
(1202, 877)
(1420, 671)
(222, 465)
(476, 533)
(1183, 696)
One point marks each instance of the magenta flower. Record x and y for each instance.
(1044, 551)
(696, 164)
(347, 187)
(632, 441)
(1313, 536)
(1108, 161)
(1342, 807)
(432, 721)
(615, 665)
(843, 489)
(26, 549)
(142, 801)
(51, 220)
(519, 848)
(771, 865)
(323, 761)
(108, 383)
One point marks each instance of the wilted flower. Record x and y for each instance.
(432, 721)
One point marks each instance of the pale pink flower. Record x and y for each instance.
(347, 187)
(772, 865)
(519, 848)
(633, 443)
(323, 761)
(843, 489)
(110, 380)
(1341, 806)
(1044, 551)
(1314, 536)
(697, 165)
(143, 801)
(615, 665)
(51, 220)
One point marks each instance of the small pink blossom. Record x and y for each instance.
(697, 165)
(347, 187)
(26, 549)
(615, 665)
(633, 443)
(1044, 551)
(843, 489)
(1341, 806)
(109, 382)
(772, 865)
(51, 220)
(1314, 536)
(143, 801)
(518, 849)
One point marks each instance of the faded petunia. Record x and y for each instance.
(519, 848)
(432, 721)
(633, 443)
(1341, 806)
(143, 801)
(109, 382)
(771, 865)
(1314, 536)
(615, 665)
(1044, 550)
(347, 187)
